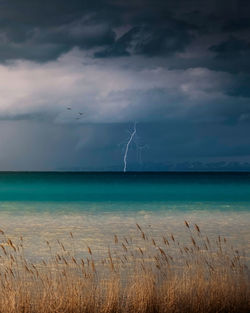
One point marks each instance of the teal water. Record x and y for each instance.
(95, 206)
(119, 187)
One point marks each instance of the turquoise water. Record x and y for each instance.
(227, 188)
(95, 206)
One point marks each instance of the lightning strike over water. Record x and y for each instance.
(127, 147)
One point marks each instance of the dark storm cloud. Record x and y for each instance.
(179, 68)
(150, 41)
(232, 48)
(240, 24)
(43, 30)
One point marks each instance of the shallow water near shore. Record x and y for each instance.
(95, 206)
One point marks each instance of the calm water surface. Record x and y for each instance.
(95, 206)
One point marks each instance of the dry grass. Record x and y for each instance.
(138, 275)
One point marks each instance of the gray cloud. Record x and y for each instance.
(151, 40)
(44, 44)
(237, 25)
(179, 68)
(42, 30)
(232, 48)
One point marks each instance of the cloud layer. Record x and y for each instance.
(75, 75)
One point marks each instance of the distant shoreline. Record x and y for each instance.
(135, 172)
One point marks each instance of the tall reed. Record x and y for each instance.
(137, 275)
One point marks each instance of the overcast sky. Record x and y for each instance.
(179, 69)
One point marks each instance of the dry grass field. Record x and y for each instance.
(137, 275)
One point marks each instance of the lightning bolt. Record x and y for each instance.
(127, 147)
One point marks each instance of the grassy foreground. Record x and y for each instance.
(137, 275)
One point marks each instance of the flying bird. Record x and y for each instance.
(68, 108)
